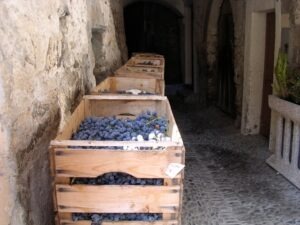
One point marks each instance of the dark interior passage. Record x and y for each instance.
(151, 27)
(225, 66)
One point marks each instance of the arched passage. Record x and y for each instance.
(225, 68)
(225, 78)
(154, 27)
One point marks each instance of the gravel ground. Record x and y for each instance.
(227, 180)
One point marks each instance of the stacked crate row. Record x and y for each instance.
(143, 66)
(142, 72)
(77, 159)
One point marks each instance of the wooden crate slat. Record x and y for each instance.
(147, 55)
(172, 222)
(75, 120)
(115, 84)
(106, 108)
(118, 199)
(155, 71)
(140, 72)
(92, 163)
(167, 222)
(173, 128)
(83, 222)
(140, 61)
(127, 97)
(64, 143)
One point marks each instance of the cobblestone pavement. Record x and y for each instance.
(227, 180)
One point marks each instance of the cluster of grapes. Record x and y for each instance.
(147, 126)
(117, 179)
(98, 218)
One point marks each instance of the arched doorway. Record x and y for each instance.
(153, 27)
(226, 89)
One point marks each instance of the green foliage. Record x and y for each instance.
(287, 81)
(280, 84)
(294, 87)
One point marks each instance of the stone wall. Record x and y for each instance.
(46, 66)
(108, 36)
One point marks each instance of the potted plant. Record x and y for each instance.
(286, 104)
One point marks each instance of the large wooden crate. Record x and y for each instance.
(120, 84)
(69, 162)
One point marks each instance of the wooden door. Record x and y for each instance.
(268, 75)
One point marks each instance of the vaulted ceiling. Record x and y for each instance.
(177, 5)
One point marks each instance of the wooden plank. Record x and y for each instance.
(116, 199)
(172, 222)
(166, 222)
(140, 72)
(68, 222)
(145, 69)
(122, 107)
(117, 84)
(122, 97)
(73, 123)
(93, 163)
(146, 55)
(140, 61)
(64, 143)
(173, 131)
(127, 83)
(161, 87)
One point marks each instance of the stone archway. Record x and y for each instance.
(238, 12)
(176, 5)
(151, 26)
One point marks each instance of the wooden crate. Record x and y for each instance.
(137, 67)
(147, 55)
(139, 61)
(140, 72)
(117, 84)
(68, 163)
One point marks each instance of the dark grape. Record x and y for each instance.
(112, 128)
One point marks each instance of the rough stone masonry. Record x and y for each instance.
(46, 66)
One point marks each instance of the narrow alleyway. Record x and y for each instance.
(227, 179)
